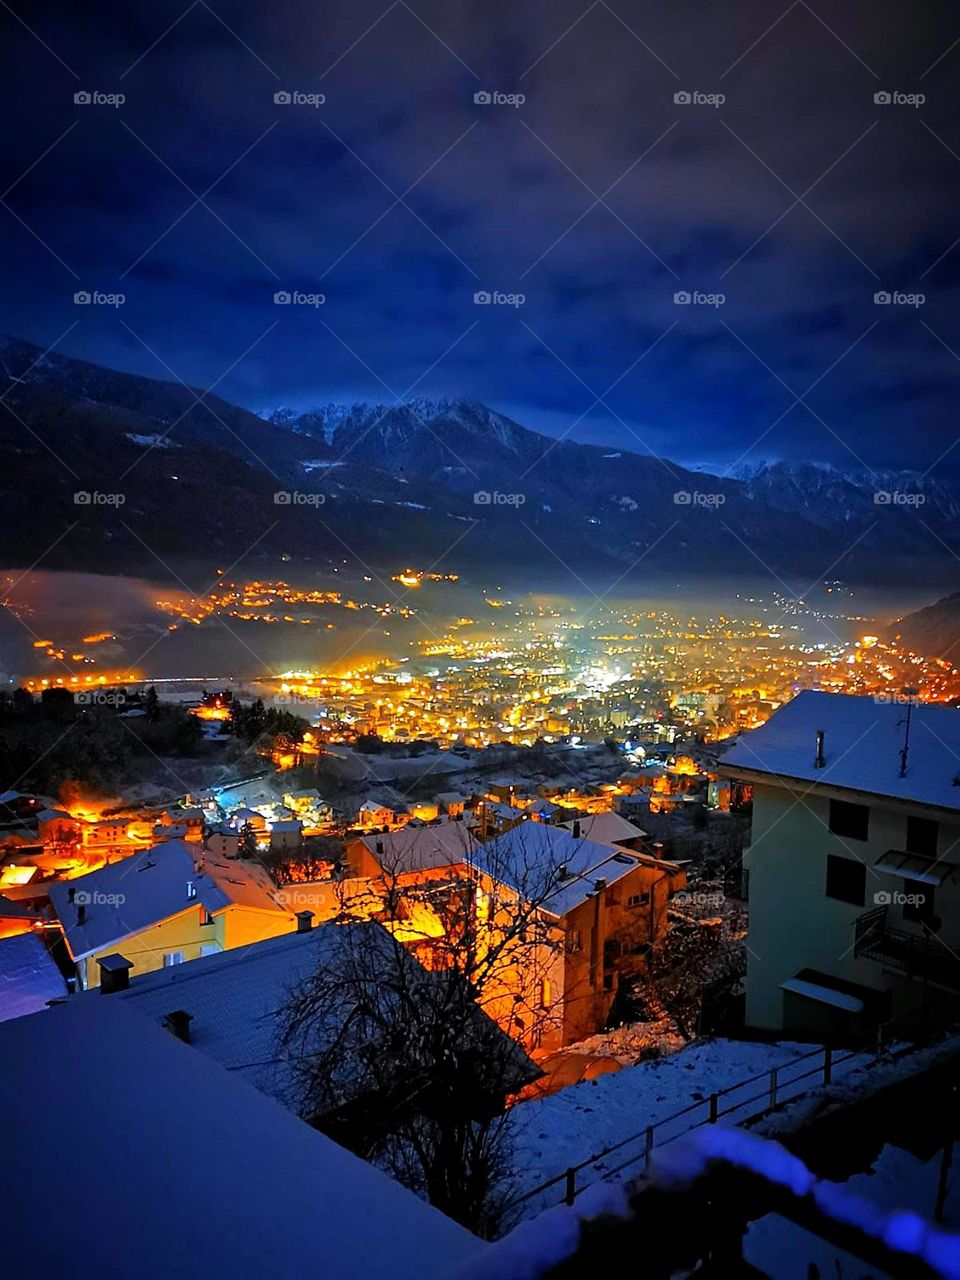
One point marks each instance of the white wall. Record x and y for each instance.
(794, 925)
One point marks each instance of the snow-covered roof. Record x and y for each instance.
(506, 812)
(287, 826)
(238, 1000)
(131, 895)
(28, 976)
(139, 1099)
(530, 857)
(605, 828)
(53, 815)
(862, 743)
(421, 848)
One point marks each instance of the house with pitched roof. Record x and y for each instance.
(853, 868)
(166, 905)
(602, 899)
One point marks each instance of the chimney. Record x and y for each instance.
(600, 883)
(379, 846)
(304, 921)
(81, 913)
(819, 760)
(178, 1022)
(71, 894)
(576, 828)
(114, 973)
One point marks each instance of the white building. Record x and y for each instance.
(854, 864)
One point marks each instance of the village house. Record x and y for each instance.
(451, 803)
(163, 906)
(286, 835)
(413, 852)
(605, 902)
(607, 828)
(375, 816)
(190, 821)
(56, 826)
(853, 869)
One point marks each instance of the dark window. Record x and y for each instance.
(206, 917)
(922, 836)
(638, 899)
(849, 820)
(608, 982)
(846, 880)
(922, 906)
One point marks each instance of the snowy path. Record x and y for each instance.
(549, 1134)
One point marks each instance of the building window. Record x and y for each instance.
(919, 904)
(638, 899)
(922, 836)
(846, 880)
(851, 821)
(574, 940)
(172, 958)
(545, 993)
(206, 917)
(608, 982)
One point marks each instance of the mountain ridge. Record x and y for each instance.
(392, 482)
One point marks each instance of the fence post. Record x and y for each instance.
(648, 1149)
(571, 1190)
(827, 1064)
(713, 1108)
(879, 1041)
(773, 1087)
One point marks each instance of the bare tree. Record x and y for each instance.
(402, 1043)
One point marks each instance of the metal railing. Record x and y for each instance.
(921, 954)
(771, 1089)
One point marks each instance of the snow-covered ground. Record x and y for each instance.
(549, 1134)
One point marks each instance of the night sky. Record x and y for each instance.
(598, 198)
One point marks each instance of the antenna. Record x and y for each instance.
(910, 695)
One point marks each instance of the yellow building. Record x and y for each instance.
(164, 906)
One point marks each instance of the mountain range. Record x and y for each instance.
(446, 482)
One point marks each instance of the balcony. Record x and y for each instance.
(920, 955)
